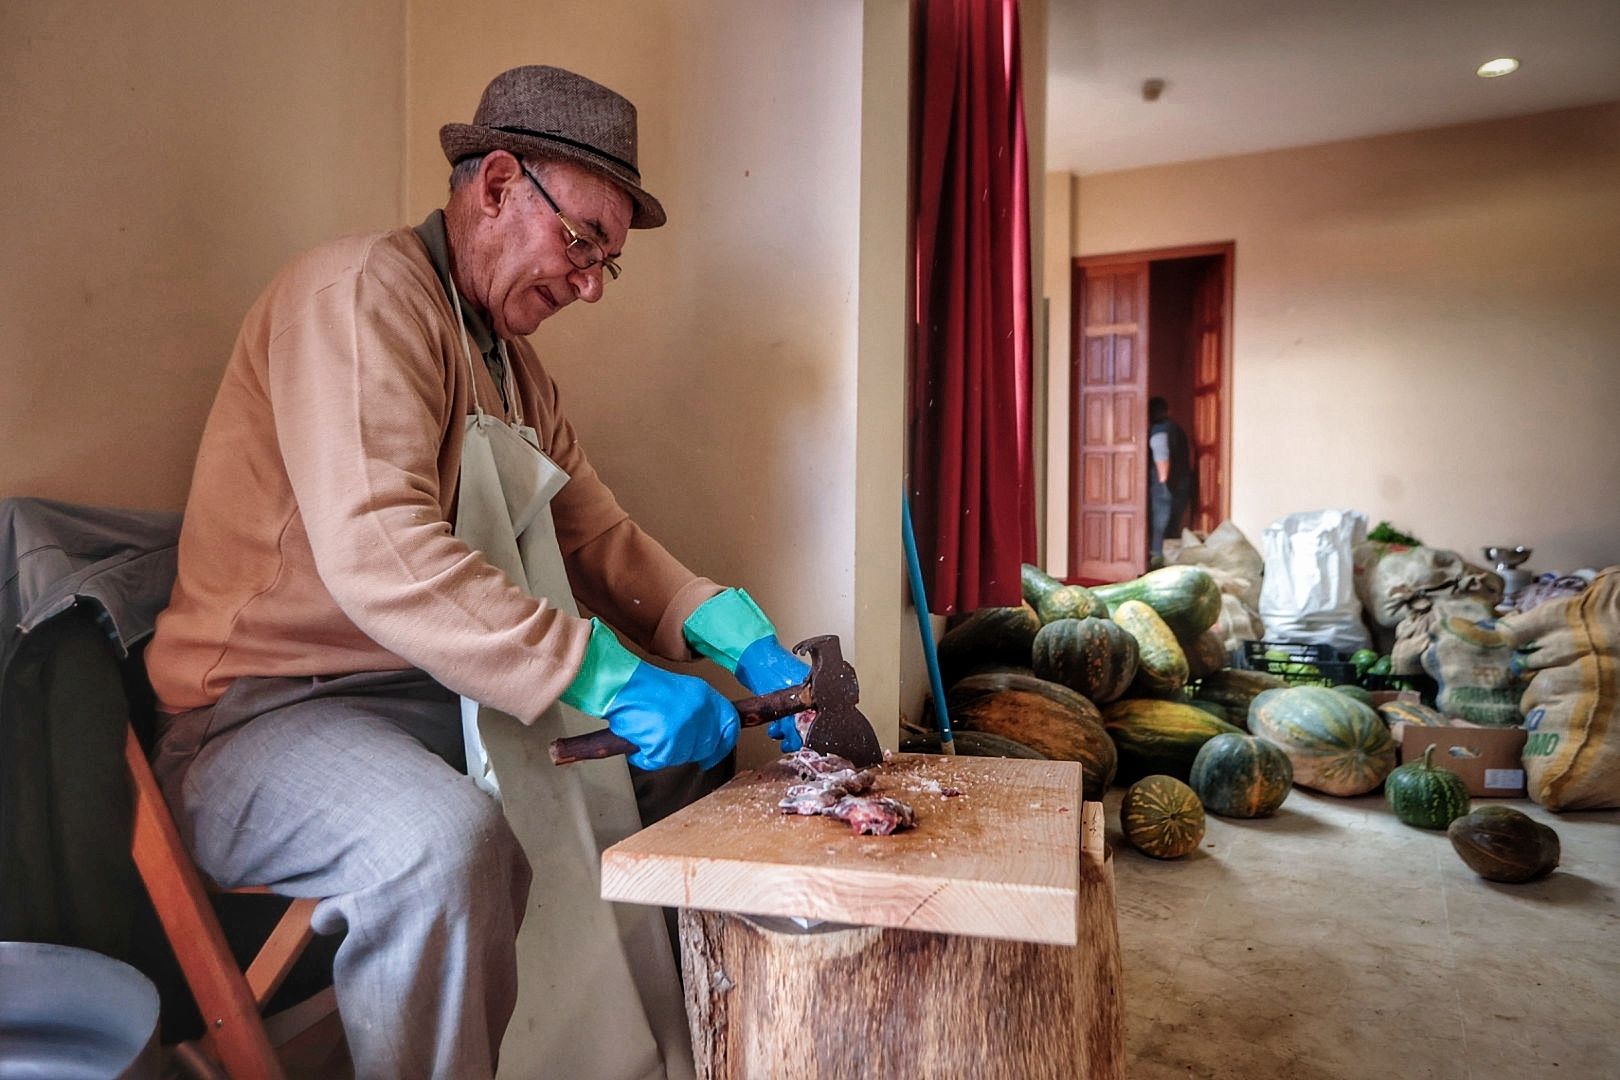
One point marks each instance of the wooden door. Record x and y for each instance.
(1209, 345)
(1108, 475)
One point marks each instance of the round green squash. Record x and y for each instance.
(989, 636)
(1160, 736)
(1337, 746)
(1186, 597)
(1425, 796)
(1053, 600)
(1162, 817)
(1050, 719)
(1241, 776)
(1094, 657)
(1161, 668)
(1500, 843)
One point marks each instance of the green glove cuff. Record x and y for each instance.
(725, 625)
(608, 666)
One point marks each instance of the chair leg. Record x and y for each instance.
(235, 1031)
(281, 950)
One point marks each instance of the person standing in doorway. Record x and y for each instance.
(1169, 476)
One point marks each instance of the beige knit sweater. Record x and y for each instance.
(318, 532)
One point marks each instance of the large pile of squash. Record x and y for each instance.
(1131, 681)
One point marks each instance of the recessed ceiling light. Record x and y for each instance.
(1495, 69)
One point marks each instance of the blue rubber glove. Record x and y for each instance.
(731, 630)
(672, 719)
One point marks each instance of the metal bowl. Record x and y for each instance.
(69, 1013)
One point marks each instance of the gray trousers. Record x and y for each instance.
(351, 789)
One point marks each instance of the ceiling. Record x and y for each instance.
(1249, 75)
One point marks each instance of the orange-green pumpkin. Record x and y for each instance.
(1336, 744)
(1093, 657)
(1162, 817)
(1159, 736)
(1241, 776)
(1206, 654)
(1049, 719)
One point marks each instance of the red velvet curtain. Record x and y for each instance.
(971, 483)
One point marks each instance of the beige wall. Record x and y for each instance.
(162, 159)
(716, 386)
(1426, 325)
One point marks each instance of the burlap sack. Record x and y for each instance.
(1473, 664)
(1231, 560)
(1572, 705)
(1473, 596)
(1387, 573)
(1238, 623)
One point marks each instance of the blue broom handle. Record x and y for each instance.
(919, 600)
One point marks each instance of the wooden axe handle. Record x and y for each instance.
(751, 711)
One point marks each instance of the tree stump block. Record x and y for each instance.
(766, 998)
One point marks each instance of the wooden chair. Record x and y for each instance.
(230, 1000)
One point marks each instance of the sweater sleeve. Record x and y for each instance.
(615, 568)
(362, 407)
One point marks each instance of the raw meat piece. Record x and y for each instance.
(809, 765)
(813, 798)
(874, 815)
(819, 796)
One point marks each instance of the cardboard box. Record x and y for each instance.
(1488, 759)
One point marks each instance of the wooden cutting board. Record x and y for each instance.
(1000, 860)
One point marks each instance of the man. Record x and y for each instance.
(388, 524)
(1169, 475)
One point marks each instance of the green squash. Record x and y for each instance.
(1186, 597)
(1162, 817)
(1053, 600)
(1241, 776)
(1050, 719)
(1094, 657)
(989, 636)
(1161, 669)
(1500, 843)
(1159, 736)
(1410, 712)
(1425, 796)
(1236, 688)
(1355, 693)
(1337, 746)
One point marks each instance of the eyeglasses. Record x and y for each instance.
(583, 252)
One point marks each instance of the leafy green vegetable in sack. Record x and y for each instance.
(1386, 533)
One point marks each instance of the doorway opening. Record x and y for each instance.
(1146, 324)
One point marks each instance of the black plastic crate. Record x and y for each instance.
(1298, 663)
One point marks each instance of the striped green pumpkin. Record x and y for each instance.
(1162, 817)
(1241, 776)
(1161, 668)
(1093, 657)
(1337, 745)
(1426, 796)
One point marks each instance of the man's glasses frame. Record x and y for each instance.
(583, 252)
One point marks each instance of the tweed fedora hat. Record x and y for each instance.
(548, 113)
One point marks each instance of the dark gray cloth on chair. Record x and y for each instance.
(80, 588)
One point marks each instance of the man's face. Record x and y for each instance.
(531, 275)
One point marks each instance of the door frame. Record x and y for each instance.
(1226, 250)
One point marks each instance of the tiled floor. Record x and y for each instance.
(1331, 942)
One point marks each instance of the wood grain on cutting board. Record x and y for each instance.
(1000, 860)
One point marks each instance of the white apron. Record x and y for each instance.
(598, 993)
